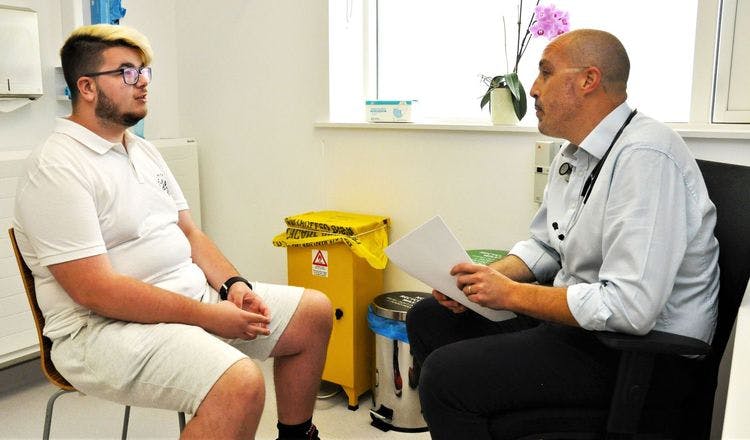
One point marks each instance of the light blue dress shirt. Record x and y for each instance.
(640, 254)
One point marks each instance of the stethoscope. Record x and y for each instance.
(588, 186)
(565, 169)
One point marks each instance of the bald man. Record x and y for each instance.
(623, 241)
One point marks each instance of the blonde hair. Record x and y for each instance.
(82, 51)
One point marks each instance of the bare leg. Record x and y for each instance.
(232, 409)
(300, 356)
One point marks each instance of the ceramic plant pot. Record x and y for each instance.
(501, 107)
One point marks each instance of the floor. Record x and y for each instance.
(24, 393)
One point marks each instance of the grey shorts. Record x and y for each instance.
(168, 366)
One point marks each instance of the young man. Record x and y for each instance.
(625, 240)
(141, 305)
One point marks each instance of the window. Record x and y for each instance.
(733, 64)
(438, 57)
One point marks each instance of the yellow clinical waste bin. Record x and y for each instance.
(341, 254)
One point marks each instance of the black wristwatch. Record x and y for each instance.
(224, 289)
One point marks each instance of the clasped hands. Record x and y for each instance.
(481, 284)
(244, 314)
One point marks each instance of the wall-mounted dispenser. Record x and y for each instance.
(20, 62)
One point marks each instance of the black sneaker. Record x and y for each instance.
(311, 434)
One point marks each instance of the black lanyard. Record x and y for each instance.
(589, 185)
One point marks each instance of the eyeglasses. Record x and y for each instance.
(129, 74)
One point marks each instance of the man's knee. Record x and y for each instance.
(246, 379)
(317, 311)
(241, 386)
(420, 313)
(419, 319)
(233, 406)
(441, 363)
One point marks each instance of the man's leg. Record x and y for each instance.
(170, 366)
(466, 382)
(300, 355)
(232, 409)
(430, 326)
(298, 365)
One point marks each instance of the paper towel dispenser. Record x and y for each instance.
(20, 62)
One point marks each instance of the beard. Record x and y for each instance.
(107, 112)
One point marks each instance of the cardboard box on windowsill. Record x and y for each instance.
(389, 111)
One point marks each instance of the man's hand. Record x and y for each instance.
(483, 285)
(448, 303)
(229, 321)
(241, 296)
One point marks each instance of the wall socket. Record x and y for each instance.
(544, 152)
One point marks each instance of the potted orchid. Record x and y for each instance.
(546, 21)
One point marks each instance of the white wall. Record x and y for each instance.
(479, 182)
(253, 80)
(156, 19)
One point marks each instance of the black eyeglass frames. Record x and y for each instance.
(129, 74)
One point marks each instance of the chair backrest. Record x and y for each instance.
(729, 189)
(45, 344)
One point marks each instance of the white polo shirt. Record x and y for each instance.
(82, 195)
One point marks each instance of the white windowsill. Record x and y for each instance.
(429, 125)
(706, 131)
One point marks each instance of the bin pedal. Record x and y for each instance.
(381, 425)
(382, 418)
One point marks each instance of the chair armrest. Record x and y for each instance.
(654, 342)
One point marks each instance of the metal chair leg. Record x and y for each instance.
(48, 414)
(181, 417)
(125, 422)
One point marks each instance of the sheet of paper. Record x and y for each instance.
(428, 253)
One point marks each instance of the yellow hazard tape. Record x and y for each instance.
(366, 235)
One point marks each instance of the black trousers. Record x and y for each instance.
(473, 368)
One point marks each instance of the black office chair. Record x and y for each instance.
(629, 414)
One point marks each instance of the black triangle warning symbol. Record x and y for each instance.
(320, 260)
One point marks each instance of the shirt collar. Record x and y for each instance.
(597, 142)
(569, 149)
(90, 139)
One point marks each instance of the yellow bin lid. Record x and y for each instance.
(366, 235)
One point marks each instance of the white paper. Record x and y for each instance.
(428, 253)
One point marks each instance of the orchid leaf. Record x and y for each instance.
(485, 98)
(492, 83)
(520, 106)
(518, 94)
(498, 81)
(514, 84)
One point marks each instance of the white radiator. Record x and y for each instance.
(17, 334)
(18, 340)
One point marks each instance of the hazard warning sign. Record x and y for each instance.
(319, 263)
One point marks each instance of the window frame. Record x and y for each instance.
(364, 14)
(727, 61)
